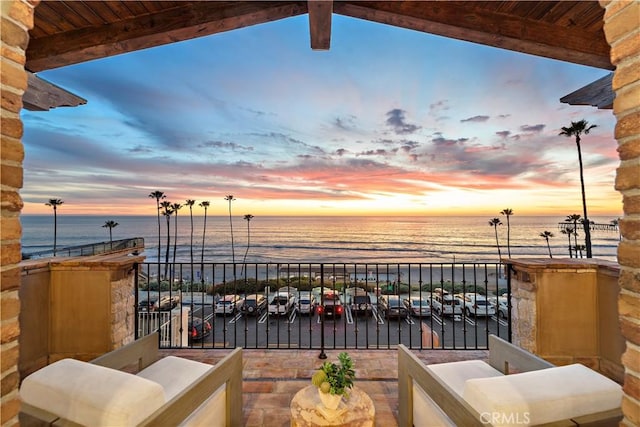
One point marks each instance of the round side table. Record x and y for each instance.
(308, 411)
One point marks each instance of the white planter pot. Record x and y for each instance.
(330, 401)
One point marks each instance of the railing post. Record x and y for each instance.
(509, 270)
(322, 353)
(135, 290)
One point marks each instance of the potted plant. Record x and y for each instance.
(334, 380)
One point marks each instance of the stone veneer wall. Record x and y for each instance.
(17, 19)
(622, 30)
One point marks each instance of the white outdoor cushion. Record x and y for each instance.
(174, 374)
(454, 374)
(542, 396)
(92, 395)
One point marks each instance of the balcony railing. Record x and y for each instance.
(372, 306)
(90, 249)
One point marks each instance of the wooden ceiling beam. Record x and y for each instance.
(187, 21)
(460, 20)
(320, 12)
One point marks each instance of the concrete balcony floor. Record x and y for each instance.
(272, 377)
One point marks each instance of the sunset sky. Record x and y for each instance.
(388, 122)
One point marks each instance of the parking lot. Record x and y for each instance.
(294, 329)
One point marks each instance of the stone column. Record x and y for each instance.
(622, 30)
(17, 19)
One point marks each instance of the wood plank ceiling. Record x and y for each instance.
(69, 32)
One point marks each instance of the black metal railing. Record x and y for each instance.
(372, 306)
(89, 249)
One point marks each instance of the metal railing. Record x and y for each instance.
(466, 303)
(90, 249)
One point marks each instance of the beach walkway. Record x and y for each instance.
(272, 377)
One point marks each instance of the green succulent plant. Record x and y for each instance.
(335, 378)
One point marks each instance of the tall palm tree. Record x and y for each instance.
(568, 231)
(574, 218)
(205, 204)
(167, 214)
(546, 235)
(190, 203)
(111, 225)
(495, 222)
(175, 207)
(230, 198)
(247, 217)
(508, 212)
(158, 195)
(54, 203)
(577, 129)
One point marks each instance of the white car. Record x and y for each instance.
(307, 303)
(446, 304)
(477, 305)
(228, 304)
(282, 303)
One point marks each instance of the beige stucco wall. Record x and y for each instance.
(76, 307)
(566, 311)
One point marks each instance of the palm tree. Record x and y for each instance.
(54, 203)
(205, 204)
(495, 222)
(158, 195)
(111, 225)
(175, 207)
(574, 218)
(568, 231)
(190, 203)
(167, 214)
(230, 198)
(576, 129)
(248, 217)
(579, 249)
(616, 224)
(546, 235)
(508, 212)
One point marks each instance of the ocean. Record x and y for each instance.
(316, 239)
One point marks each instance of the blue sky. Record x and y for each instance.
(388, 121)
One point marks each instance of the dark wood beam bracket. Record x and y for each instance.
(320, 12)
(42, 95)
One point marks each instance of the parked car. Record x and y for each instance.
(331, 305)
(502, 307)
(168, 303)
(446, 304)
(307, 303)
(477, 305)
(417, 306)
(360, 303)
(391, 306)
(148, 305)
(282, 303)
(229, 304)
(198, 328)
(254, 304)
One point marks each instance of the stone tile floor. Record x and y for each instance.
(272, 377)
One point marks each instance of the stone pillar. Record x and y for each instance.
(17, 19)
(622, 30)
